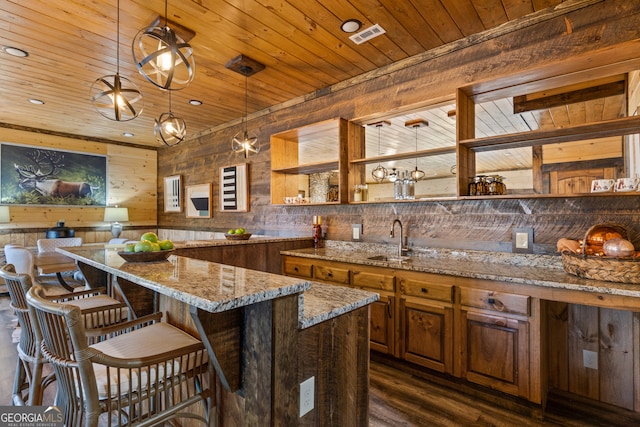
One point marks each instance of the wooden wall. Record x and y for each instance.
(131, 183)
(598, 34)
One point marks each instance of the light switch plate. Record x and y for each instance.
(523, 240)
(356, 232)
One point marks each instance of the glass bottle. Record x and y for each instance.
(410, 186)
(397, 188)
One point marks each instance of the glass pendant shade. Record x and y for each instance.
(245, 142)
(115, 97)
(393, 176)
(170, 129)
(164, 58)
(417, 174)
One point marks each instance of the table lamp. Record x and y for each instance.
(5, 215)
(113, 215)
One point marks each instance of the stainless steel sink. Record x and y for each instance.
(389, 258)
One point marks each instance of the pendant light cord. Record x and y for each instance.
(246, 108)
(118, 38)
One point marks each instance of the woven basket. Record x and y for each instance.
(610, 269)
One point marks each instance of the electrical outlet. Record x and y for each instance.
(356, 232)
(306, 395)
(590, 359)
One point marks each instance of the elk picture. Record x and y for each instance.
(43, 177)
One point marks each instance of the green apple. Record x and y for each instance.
(143, 246)
(130, 247)
(239, 230)
(165, 244)
(231, 231)
(152, 237)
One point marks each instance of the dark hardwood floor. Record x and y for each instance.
(401, 395)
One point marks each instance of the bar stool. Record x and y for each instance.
(50, 245)
(98, 311)
(148, 375)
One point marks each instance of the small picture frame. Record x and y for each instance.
(198, 201)
(173, 193)
(234, 192)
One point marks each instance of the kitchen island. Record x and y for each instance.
(265, 333)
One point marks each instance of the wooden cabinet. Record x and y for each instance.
(478, 330)
(494, 344)
(426, 320)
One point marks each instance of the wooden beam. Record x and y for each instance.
(525, 103)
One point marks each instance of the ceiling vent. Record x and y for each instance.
(367, 34)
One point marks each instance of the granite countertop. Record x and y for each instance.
(217, 287)
(526, 269)
(222, 241)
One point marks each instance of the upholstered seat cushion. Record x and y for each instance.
(148, 341)
(104, 316)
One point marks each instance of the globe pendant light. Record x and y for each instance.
(169, 128)
(417, 174)
(163, 57)
(114, 96)
(379, 173)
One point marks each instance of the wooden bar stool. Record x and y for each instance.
(148, 375)
(98, 311)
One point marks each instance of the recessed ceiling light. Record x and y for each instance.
(14, 51)
(127, 134)
(36, 101)
(351, 25)
(195, 102)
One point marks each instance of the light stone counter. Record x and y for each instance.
(526, 269)
(217, 287)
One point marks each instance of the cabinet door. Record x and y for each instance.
(381, 324)
(495, 352)
(427, 333)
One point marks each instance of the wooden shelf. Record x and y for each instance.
(403, 156)
(617, 127)
(309, 168)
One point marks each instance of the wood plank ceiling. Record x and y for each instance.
(73, 42)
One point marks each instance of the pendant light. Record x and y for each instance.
(393, 176)
(244, 141)
(379, 173)
(169, 128)
(163, 57)
(114, 96)
(417, 174)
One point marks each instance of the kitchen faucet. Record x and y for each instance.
(402, 251)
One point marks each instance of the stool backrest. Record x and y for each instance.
(21, 258)
(50, 245)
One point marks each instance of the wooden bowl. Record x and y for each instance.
(146, 256)
(244, 236)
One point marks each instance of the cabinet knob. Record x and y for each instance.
(330, 274)
(425, 290)
(295, 269)
(491, 300)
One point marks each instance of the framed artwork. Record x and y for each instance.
(198, 201)
(173, 193)
(234, 192)
(37, 176)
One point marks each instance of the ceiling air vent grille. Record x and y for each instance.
(367, 34)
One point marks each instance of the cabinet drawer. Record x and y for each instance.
(331, 274)
(496, 301)
(418, 288)
(373, 281)
(298, 268)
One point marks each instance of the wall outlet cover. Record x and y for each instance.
(523, 240)
(356, 232)
(307, 388)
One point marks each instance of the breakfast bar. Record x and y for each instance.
(265, 334)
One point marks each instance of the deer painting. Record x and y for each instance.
(42, 177)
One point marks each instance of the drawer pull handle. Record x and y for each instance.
(330, 274)
(295, 269)
(425, 290)
(491, 301)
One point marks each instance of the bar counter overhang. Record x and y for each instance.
(265, 333)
